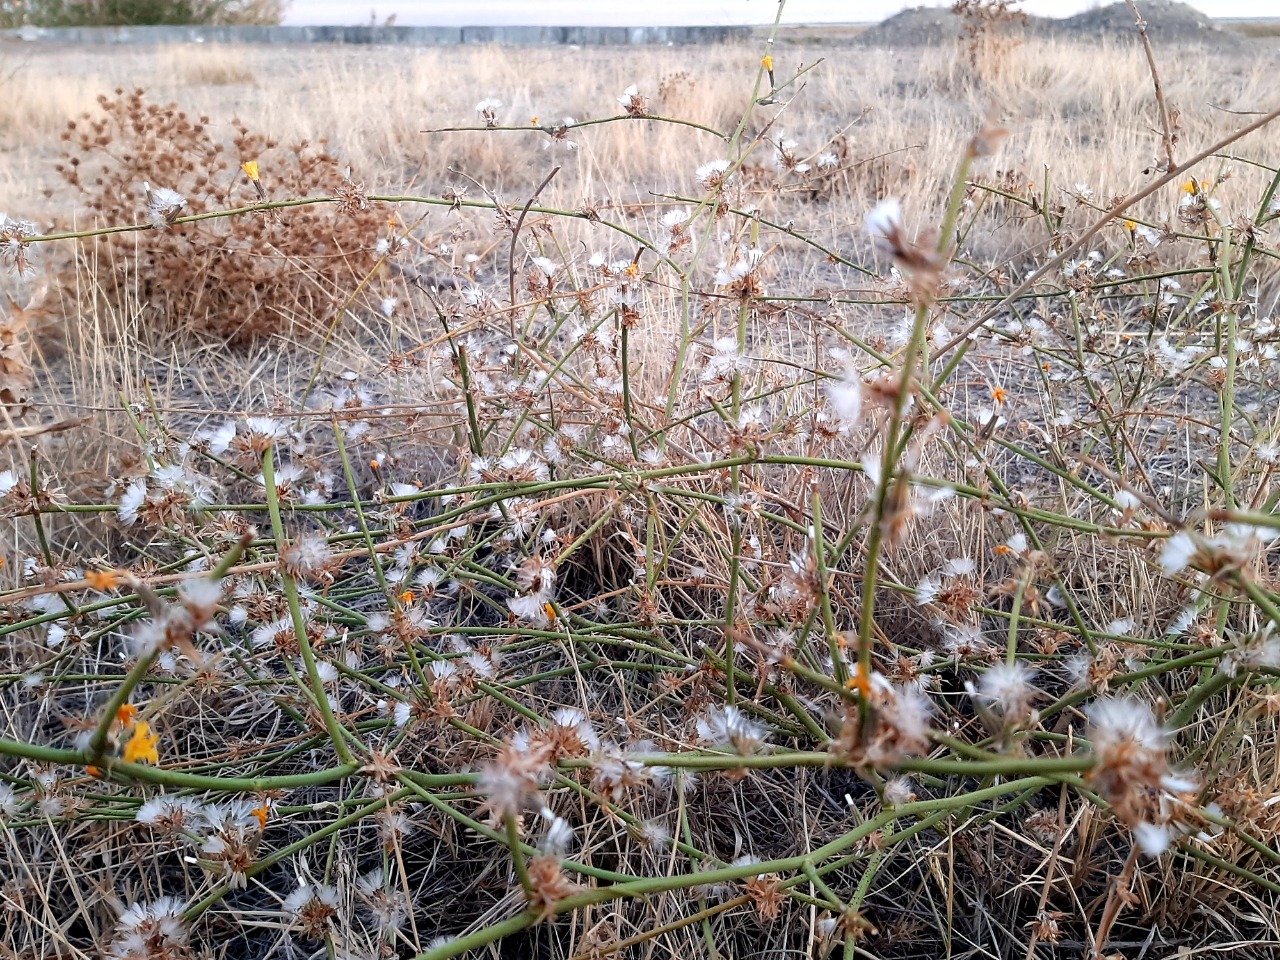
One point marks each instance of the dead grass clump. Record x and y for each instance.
(1257, 28)
(274, 272)
(201, 65)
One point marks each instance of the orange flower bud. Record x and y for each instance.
(860, 681)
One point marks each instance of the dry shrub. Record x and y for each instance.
(988, 33)
(706, 99)
(16, 374)
(231, 278)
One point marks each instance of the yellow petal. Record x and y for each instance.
(250, 168)
(141, 747)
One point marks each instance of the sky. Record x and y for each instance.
(672, 12)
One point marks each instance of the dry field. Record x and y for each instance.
(801, 514)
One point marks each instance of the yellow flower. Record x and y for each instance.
(102, 579)
(141, 747)
(406, 597)
(261, 813)
(533, 121)
(250, 168)
(127, 714)
(999, 394)
(1130, 226)
(767, 62)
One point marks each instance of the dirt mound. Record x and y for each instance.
(1167, 21)
(919, 26)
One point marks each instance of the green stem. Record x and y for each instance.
(517, 856)
(295, 611)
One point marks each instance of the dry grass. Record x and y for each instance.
(1258, 28)
(640, 492)
(1081, 115)
(1083, 111)
(200, 65)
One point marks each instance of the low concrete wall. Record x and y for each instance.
(405, 36)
